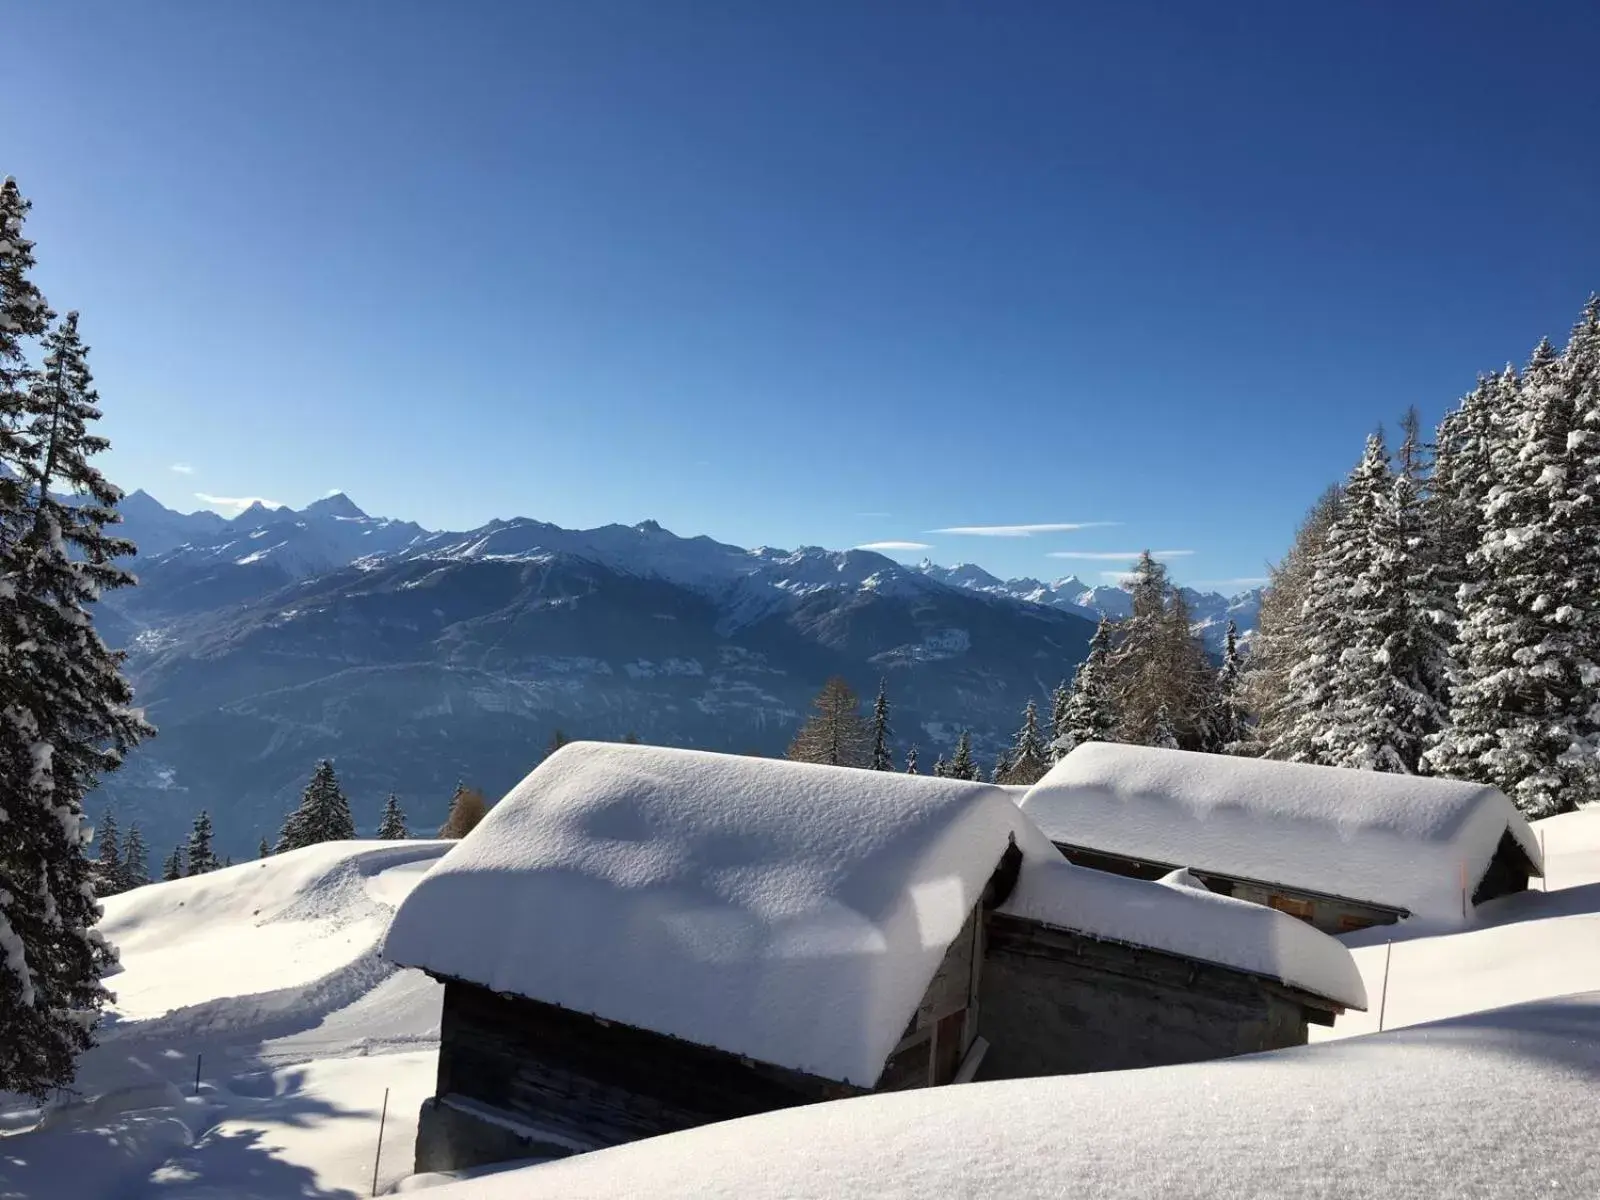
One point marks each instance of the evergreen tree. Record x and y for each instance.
(941, 769)
(962, 765)
(1161, 733)
(1090, 713)
(172, 868)
(263, 850)
(836, 734)
(1029, 758)
(1001, 768)
(1231, 727)
(630, 738)
(1059, 701)
(108, 867)
(911, 761)
(467, 808)
(1366, 696)
(65, 714)
(882, 760)
(558, 739)
(323, 814)
(135, 861)
(392, 827)
(202, 859)
(1523, 711)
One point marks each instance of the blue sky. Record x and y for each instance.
(803, 274)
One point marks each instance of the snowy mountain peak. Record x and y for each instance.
(337, 505)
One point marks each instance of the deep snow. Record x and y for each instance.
(1488, 1104)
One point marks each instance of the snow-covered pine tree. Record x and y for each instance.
(1523, 712)
(1282, 633)
(1059, 700)
(202, 858)
(135, 860)
(1029, 758)
(882, 759)
(1161, 733)
(263, 850)
(1090, 714)
(65, 715)
(1156, 662)
(1231, 727)
(323, 814)
(108, 864)
(172, 868)
(392, 828)
(836, 734)
(941, 769)
(962, 765)
(911, 761)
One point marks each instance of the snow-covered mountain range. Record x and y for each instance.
(417, 658)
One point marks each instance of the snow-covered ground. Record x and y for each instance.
(270, 972)
(266, 978)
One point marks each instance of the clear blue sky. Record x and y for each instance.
(803, 273)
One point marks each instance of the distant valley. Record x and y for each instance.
(417, 659)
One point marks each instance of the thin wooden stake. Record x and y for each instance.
(379, 1155)
(198, 1059)
(1463, 891)
(1383, 999)
(1544, 874)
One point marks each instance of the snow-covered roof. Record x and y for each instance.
(1180, 915)
(790, 913)
(1397, 840)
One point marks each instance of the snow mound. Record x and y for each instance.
(783, 911)
(1180, 915)
(1499, 1106)
(1396, 840)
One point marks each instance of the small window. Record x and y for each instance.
(1292, 906)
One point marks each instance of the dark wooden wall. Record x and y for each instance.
(1060, 1003)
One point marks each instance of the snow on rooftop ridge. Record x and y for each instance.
(1497, 1105)
(1399, 840)
(787, 912)
(1180, 915)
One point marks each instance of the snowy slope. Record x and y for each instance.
(267, 972)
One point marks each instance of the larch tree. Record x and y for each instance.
(467, 807)
(108, 864)
(1283, 629)
(1157, 665)
(392, 826)
(882, 758)
(202, 857)
(1029, 757)
(1523, 710)
(323, 814)
(66, 715)
(836, 734)
(135, 860)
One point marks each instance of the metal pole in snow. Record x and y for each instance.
(198, 1059)
(1383, 999)
(379, 1155)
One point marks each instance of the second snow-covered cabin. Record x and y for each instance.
(638, 940)
(1340, 849)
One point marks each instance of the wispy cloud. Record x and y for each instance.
(1022, 531)
(1116, 576)
(889, 547)
(1114, 555)
(181, 468)
(236, 504)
